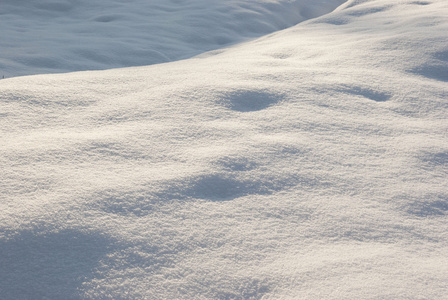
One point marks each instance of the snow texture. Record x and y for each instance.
(53, 36)
(310, 163)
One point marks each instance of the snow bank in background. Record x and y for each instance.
(53, 36)
(308, 164)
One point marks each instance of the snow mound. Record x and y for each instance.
(54, 36)
(308, 164)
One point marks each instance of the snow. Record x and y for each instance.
(310, 163)
(53, 36)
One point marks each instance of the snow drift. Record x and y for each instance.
(53, 36)
(308, 164)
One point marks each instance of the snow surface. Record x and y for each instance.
(53, 36)
(308, 164)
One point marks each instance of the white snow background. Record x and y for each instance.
(52, 36)
(310, 163)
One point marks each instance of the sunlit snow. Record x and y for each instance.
(310, 163)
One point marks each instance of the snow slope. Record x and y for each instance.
(53, 36)
(308, 164)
